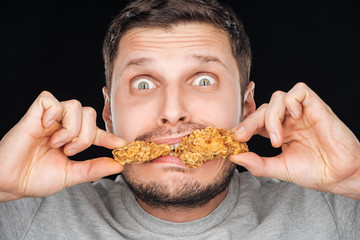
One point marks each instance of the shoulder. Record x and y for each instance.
(16, 216)
(272, 187)
(271, 196)
(287, 202)
(346, 214)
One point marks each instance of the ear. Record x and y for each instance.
(249, 102)
(106, 114)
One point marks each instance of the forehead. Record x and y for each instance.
(178, 43)
(181, 33)
(180, 38)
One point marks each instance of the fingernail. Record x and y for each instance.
(59, 144)
(294, 115)
(241, 129)
(273, 138)
(50, 123)
(239, 132)
(71, 152)
(119, 141)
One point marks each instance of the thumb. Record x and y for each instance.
(271, 167)
(91, 170)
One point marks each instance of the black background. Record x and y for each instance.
(56, 46)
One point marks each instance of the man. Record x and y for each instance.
(173, 67)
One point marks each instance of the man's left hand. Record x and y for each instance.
(318, 151)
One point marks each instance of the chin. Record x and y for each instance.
(164, 185)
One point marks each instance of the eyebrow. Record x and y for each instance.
(202, 59)
(139, 62)
(206, 59)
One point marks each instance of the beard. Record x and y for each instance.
(177, 192)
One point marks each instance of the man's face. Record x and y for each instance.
(166, 84)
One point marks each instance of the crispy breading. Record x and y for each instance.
(140, 151)
(207, 144)
(194, 150)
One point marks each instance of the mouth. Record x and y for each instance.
(169, 160)
(172, 157)
(188, 150)
(174, 146)
(173, 142)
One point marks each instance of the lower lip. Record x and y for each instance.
(169, 160)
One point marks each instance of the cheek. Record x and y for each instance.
(230, 99)
(220, 110)
(131, 118)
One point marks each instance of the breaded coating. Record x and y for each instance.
(194, 150)
(207, 144)
(140, 151)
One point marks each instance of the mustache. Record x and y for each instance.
(163, 131)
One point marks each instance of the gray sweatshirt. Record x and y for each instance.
(255, 208)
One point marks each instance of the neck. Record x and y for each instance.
(181, 214)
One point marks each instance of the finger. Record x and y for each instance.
(46, 109)
(253, 124)
(272, 167)
(87, 133)
(108, 140)
(294, 99)
(274, 117)
(91, 170)
(71, 123)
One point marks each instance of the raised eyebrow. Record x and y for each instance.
(137, 62)
(206, 59)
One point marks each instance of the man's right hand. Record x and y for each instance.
(34, 153)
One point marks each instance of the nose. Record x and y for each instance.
(173, 108)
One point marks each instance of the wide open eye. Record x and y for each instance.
(143, 84)
(204, 80)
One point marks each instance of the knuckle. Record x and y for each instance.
(301, 85)
(90, 111)
(264, 105)
(46, 97)
(45, 94)
(48, 101)
(277, 94)
(74, 103)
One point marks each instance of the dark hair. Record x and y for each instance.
(168, 13)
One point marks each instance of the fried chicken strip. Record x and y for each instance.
(194, 150)
(140, 151)
(207, 144)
